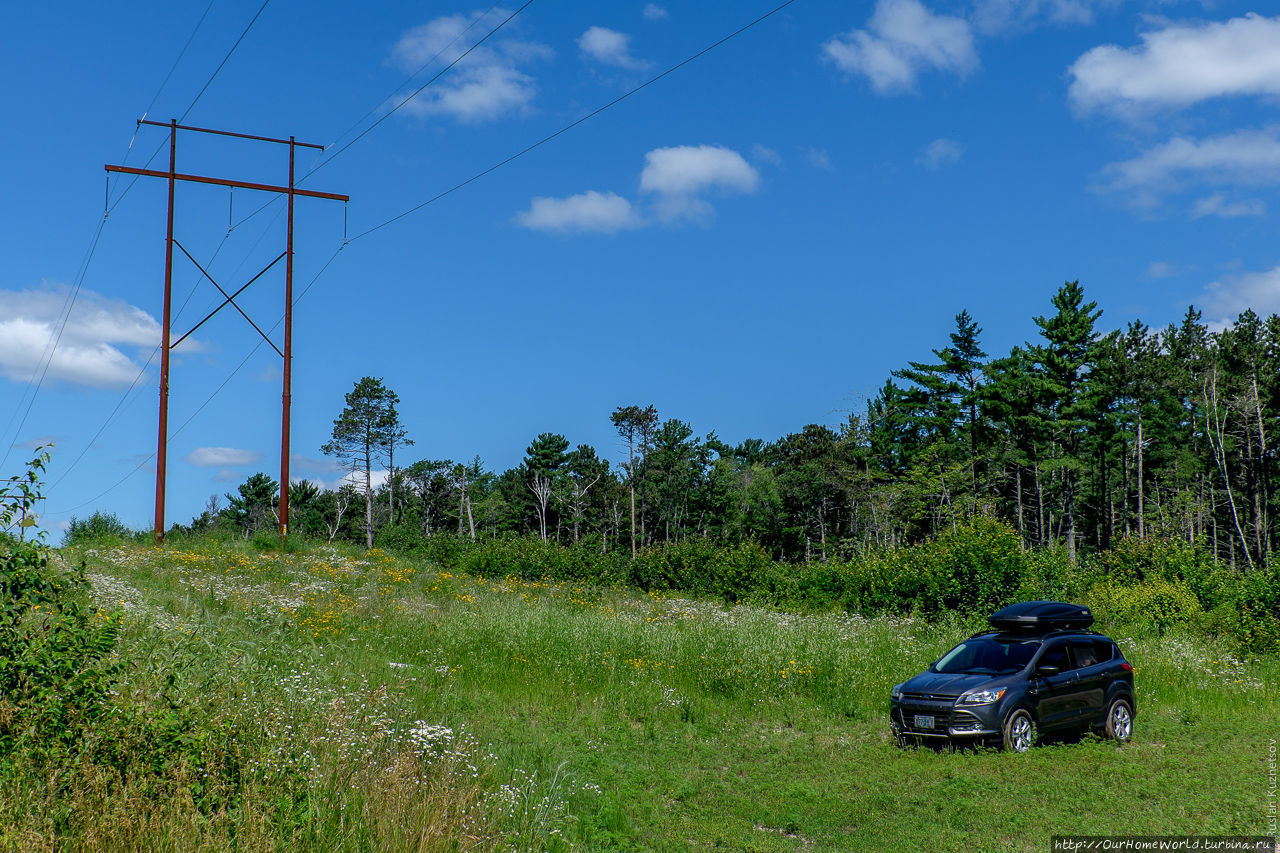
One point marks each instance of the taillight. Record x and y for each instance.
(1126, 667)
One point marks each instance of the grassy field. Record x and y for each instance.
(381, 704)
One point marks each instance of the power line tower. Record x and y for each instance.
(290, 190)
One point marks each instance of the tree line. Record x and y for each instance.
(1075, 439)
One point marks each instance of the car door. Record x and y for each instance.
(1054, 691)
(1090, 657)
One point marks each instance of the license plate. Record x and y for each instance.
(924, 721)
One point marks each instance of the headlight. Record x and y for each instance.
(896, 693)
(981, 697)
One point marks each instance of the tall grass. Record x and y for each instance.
(351, 700)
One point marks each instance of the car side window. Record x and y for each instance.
(1104, 649)
(1085, 653)
(1055, 655)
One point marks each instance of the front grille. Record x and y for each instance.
(938, 707)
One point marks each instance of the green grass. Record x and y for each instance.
(599, 719)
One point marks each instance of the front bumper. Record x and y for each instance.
(949, 720)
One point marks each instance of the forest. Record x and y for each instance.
(1074, 439)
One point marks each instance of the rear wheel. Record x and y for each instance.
(1119, 721)
(1019, 731)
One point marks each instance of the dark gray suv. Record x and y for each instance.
(1039, 671)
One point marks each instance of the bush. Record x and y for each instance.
(54, 678)
(1132, 560)
(99, 527)
(1257, 609)
(1154, 602)
(976, 568)
(529, 558)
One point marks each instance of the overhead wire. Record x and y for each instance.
(145, 366)
(420, 89)
(573, 124)
(110, 206)
(69, 303)
(252, 352)
(57, 339)
(528, 149)
(195, 100)
(322, 161)
(167, 77)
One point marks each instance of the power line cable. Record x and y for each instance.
(62, 326)
(208, 399)
(194, 101)
(407, 81)
(136, 379)
(574, 124)
(440, 196)
(172, 68)
(69, 302)
(69, 306)
(320, 165)
(224, 61)
(421, 88)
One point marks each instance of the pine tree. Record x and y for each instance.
(368, 427)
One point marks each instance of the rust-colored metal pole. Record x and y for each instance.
(288, 361)
(162, 439)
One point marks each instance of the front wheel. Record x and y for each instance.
(1120, 721)
(1019, 731)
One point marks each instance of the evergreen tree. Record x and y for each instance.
(1063, 363)
(368, 427)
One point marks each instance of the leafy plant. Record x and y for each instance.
(54, 676)
(101, 526)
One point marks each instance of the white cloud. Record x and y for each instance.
(654, 12)
(486, 85)
(674, 180)
(90, 350)
(689, 169)
(818, 158)
(1227, 298)
(1217, 205)
(902, 39)
(1247, 158)
(765, 154)
(221, 457)
(608, 47)
(590, 211)
(1164, 269)
(377, 479)
(1181, 64)
(939, 153)
(999, 16)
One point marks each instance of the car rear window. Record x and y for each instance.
(1089, 652)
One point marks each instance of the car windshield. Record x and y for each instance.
(988, 656)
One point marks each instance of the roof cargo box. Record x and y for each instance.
(1041, 616)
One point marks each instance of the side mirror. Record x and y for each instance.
(1048, 669)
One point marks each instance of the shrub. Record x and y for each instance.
(978, 567)
(530, 558)
(1154, 602)
(1132, 560)
(54, 678)
(101, 526)
(1257, 609)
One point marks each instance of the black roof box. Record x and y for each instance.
(1041, 616)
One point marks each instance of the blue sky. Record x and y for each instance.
(751, 243)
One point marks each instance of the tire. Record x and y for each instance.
(1119, 726)
(1019, 731)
